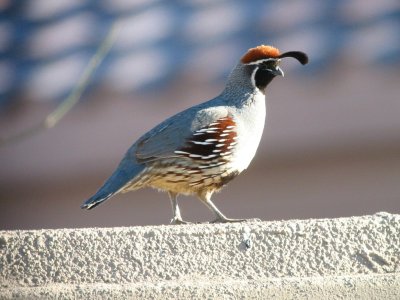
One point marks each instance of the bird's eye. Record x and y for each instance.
(271, 64)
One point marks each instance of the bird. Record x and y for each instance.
(199, 150)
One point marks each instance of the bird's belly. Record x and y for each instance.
(184, 177)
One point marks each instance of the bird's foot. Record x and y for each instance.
(228, 220)
(253, 220)
(178, 221)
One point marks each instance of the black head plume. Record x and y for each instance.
(300, 56)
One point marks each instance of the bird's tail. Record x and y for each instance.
(126, 172)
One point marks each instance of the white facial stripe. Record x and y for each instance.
(253, 77)
(263, 60)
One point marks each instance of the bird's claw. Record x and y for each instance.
(228, 220)
(177, 221)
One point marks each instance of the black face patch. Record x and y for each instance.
(263, 77)
(260, 72)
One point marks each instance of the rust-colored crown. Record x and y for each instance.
(260, 52)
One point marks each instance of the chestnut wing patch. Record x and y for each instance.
(211, 142)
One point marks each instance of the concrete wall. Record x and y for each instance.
(356, 257)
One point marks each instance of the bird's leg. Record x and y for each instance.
(220, 217)
(177, 219)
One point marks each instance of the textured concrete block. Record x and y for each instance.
(355, 257)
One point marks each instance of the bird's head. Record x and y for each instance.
(263, 63)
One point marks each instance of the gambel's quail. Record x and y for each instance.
(201, 149)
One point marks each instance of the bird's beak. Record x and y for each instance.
(277, 71)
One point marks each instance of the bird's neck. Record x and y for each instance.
(241, 95)
(240, 90)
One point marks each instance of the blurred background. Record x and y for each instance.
(331, 147)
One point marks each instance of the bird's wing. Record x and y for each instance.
(171, 137)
